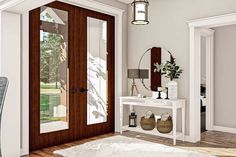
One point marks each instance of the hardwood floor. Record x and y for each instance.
(212, 142)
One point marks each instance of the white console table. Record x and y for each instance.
(173, 105)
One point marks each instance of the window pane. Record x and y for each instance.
(97, 71)
(53, 70)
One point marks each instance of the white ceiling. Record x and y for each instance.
(3, 1)
(126, 1)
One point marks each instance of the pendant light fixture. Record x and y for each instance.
(140, 12)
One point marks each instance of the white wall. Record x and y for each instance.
(168, 27)
(10, 66)
(225, 74)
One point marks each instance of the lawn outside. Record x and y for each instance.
(49, 98)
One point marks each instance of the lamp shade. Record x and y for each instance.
(143, 73)
(133, 73)
(140, 12)
(138, 73)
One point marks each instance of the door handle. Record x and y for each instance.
(83, 90)
(74, 90)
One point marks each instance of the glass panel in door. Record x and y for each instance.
(97, 71)
(53, 70)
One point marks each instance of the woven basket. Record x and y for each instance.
(165, 126)
(148, 124)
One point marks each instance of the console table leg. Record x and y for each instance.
(174, 124)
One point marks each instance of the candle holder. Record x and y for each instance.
(159, 90)
(167, 94)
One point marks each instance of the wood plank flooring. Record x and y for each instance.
(212, 142)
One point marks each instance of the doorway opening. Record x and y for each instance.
(206, 79)
(197, 27)
(203, 85)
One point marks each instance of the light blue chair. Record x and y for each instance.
(3, 90)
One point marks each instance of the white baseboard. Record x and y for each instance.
(190, 139)
(23, 152)
(187, 139)
(224, 129)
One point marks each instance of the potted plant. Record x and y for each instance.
(170, 70)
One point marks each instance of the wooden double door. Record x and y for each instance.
(71, 74)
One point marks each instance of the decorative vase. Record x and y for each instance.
(172, 89)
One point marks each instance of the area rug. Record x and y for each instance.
(121, 146)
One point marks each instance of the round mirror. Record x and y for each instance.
(152, 56)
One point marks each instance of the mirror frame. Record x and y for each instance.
(140, 60)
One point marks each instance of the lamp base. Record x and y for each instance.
(133, 87)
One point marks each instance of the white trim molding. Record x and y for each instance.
(126, 1)
(94, 5)
(195, 82)
(25, 85)
(9, 4)
(209, 35)
(195, 31)
(224, 129)
(215, 21)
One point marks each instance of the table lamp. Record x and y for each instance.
(136, 74)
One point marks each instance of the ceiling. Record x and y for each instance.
(126, 1)
(3, 1)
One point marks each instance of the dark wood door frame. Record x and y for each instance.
(77, 57)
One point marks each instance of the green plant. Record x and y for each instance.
(170, 69)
